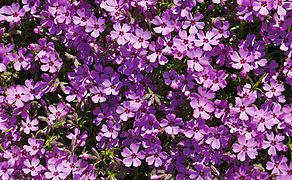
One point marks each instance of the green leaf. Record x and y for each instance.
(258, 82)
(1, 148)
(58, 124)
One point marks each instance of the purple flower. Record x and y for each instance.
(157, 53)
(202, 172)
(77, 138)
(206, 40)
(246, 93)
(140, 38)
(263, 119)
(74, 165)
(273, 89)
(17, 95)
(64, 15)
(32, 166)
(22, 60)
(193, 23)
(216, 81)
(198, 60)
(57, 113)
(12, 155)
(114, 7)
(4, 60)
(278, 165)
(195, 129)
(244, 147)
(184, 41)
(121, 34)
(34, 146)
(183, 8)
(111, 86)
(95, 26)
(172, 124)
(29, 125)
(12, 13)
(273, 142)
(217, 137)
(76, 91)
(165, 25)
(156, 156)
(262, 6)
(287, 174)
(127, 110)
(34, 89)
(111, 130)
(222, 28)
(243, 108)
(82, 16)
(56, 172)
(88, 173)
(171, 78)
(202, 107)
(6, 170)
(132, 156)
(148, 123)
(99, 95)
(51, 63)
(242, 60)
(281, 6)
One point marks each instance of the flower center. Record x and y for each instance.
(242, 61)
(83, 19)
(20, 59)
(58, 113)
(201, 109)
(185, 41)
(244, 148)
(15, 14)
(113, 86)
(264, 4)
(17, 96)
(127, 111)
(121, 33)
(205, 40)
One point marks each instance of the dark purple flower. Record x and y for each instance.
(172, 124)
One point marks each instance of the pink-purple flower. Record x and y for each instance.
(132, 156)
(245, 148)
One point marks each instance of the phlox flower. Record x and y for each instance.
(206, 40)
(132, 156)
(244, 147)
(121, 33)
(32, 166)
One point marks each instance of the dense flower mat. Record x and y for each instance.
(145, 89)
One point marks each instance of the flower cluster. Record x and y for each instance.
(125, 89)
